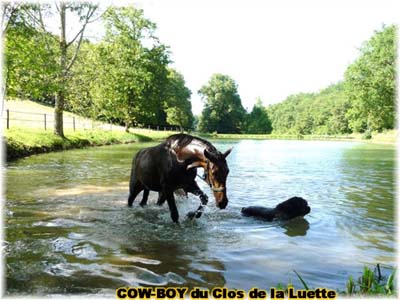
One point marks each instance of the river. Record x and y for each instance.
(68, 228)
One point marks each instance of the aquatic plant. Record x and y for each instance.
(371, 282)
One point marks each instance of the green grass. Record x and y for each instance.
(22, 141)
(388, 136)
(273, 136)
(27, 136)
(26, 113)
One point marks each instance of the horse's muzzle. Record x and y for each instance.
(222, 204)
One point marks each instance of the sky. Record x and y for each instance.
(272, 49)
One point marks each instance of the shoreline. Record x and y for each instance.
(377, 138)
(22, 142)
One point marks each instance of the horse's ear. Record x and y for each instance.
(195, 164)
(209, 155)
(227, 152)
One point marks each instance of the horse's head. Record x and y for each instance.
(216, 172)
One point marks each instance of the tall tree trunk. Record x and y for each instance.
(58, 114)
(60, 96)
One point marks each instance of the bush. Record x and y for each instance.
(367, 135)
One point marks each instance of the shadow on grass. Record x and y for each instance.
(142, 138)
(21, 143)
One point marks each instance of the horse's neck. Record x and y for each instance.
(194, 151)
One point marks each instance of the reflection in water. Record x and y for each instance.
(80, 190)
(296, 227)
(369, 192)
(69, 230)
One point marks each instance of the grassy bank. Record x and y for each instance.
(23, 141)
(20, 141)
(389, 136)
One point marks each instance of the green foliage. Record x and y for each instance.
(177, 103)
(223, 111)
(371, 282)
(24, 141)
(371, 81)
(83, 76)
(364, 101)
(390, 284)
(305, 286)
(38, 62)
(131, 79)
(367, 135)
(350, 286)
(323, 113)
(30, 70)
(124, 78)
(258, 121)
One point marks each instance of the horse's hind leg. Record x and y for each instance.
(134, 189)
(161, 199)
(145, 197)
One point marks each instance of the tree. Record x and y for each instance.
(82, 82)
(130, 84)
(223, 111)
(324, 112)
(9, 11)
(156, 91)
(60, 59)
(370, 83)
(85, 13)
(177, 104)
(258, 120)
(65, 56)
(27, 69)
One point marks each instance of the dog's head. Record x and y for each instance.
(293, 207)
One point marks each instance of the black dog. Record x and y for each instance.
(289, 209)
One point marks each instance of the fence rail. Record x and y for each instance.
(46, 121)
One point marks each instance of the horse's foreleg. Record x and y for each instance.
(195, 190)
(145, 197)
(172, 206)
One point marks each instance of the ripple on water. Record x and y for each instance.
(69, 229)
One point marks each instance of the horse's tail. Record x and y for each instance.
(133, 180)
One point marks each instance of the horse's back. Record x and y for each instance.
(149, 165)
(152, 156)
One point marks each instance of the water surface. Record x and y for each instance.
(68, 228)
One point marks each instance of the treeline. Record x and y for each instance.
(322, 113)
(124, 78)
(363, 102)
(223, 111)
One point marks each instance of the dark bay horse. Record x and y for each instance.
(172, 165)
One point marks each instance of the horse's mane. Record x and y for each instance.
(183, 140)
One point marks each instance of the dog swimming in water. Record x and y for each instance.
(289, 209)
